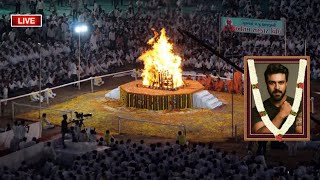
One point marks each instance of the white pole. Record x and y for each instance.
(79, 62)
(47, 98)
(92, 79)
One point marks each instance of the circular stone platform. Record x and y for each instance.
(133, 94)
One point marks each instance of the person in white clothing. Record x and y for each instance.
(40, 6)
(134, 74)
(90, 70)
(93, 41)
(20, 84)
(21, 130)
(35, 96)
(49, 94)
(73, 71)
(119, 61)
(198, 64)
(32, 83)
(98, 81)
(5, 94)
(99, 68)
(208, 65)
(50, 79)
(95, 8)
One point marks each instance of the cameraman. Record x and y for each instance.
(64, 128)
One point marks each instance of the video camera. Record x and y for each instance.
(80, 117)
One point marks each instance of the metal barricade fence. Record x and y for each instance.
(64, 85)
(47, 110)
(91, 79)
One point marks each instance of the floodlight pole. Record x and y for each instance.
(80, 29)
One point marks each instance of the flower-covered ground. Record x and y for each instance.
(201, 124)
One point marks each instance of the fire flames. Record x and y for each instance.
(161, 66)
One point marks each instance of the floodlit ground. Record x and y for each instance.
(201, 124)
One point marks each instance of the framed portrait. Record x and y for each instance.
(277, 98)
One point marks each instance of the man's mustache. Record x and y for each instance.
(276, 91)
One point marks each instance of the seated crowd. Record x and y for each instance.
(138, 160)
(19, 139)
(117, 38)
(132, 160)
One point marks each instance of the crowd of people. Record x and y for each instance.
(117, 38)
(138, 160)
(19, 139)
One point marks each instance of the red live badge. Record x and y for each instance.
(26, 20)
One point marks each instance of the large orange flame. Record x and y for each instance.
(161, 65)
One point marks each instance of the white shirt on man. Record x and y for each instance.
(40, 5)
(73, 68)
(32, 82)
(208, 64)
(12, 85)
(90, 70)
(21, 131)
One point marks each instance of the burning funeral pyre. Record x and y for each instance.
(161, 66)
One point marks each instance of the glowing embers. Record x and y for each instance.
(161, 66)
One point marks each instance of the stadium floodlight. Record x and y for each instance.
(80, 29)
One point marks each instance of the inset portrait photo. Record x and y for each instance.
(277, 98)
